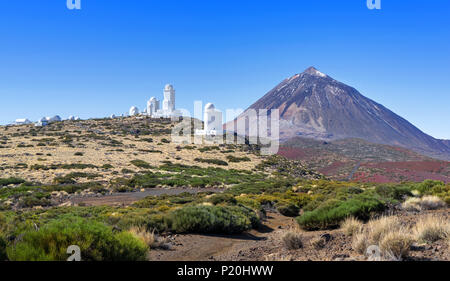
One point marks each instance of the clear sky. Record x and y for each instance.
(113, 54)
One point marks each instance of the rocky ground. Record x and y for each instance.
(266, 244)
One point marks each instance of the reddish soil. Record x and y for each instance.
(403, 171)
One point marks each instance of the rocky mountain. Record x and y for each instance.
(314, 105)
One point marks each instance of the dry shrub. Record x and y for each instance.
(432, 228)
(396, 244)
(378, 228)
(150, 238)
(393, 239)
(292, 240)
(424, 203)
(432, 203)
(351, 226)
(318, 242)
(411, 204)
(360, 243)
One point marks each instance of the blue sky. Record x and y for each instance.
(114, 54)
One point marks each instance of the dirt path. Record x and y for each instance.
(195, 247)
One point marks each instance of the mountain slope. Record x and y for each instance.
(356, 159)
(312, 104)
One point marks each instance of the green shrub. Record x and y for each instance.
(96, 241)
(330, 214)
(208, 148)
(288, 210)
(63, 166)
(212, 219)
(235, 159)
(141, 164)
(212, 161)
(426, 187)
(107, 166)
(8, 181)
(3, 256)
(70, 178)
(222, 198)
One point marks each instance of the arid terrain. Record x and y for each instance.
(359, 160)
(148, 198)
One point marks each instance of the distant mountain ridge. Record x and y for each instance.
(314, 105)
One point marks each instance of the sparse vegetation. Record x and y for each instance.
(96, 240)
(292, 240)
(141, 164)
(425, 203)
(351, 226)
(235, 159)
(211, 161)
(393, 239)
(431, 229)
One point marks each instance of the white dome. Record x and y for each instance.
(209, 106)
(134, 111)
(168, 87)
(152, 99)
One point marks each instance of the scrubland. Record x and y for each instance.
(46, 173)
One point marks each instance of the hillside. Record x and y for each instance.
(356, 159)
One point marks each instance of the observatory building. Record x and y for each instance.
(168, 104)
(212, 119)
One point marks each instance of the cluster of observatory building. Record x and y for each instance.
(155, 109)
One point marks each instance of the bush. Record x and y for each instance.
(141, 164)
(292, 240)
(288, 209)
(235, 159)
(431, 229)
(8, 181)
(388, 234)
(3, 256)
(222, 198)
(395, 245)
(212, 161)
(212, 219)
(360, 243)
(332, 214)
(351, 226)
(425, 203)
(96, 241)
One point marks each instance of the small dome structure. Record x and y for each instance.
(168, 87)
(134, 111)
(209, 106)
